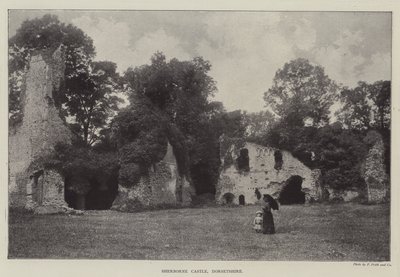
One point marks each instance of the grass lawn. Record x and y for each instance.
(337, 232)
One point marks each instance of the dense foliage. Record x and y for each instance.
(179, 92)
(366, 106)
(139, 132)
(91, 99)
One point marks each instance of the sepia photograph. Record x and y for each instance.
(199, 135)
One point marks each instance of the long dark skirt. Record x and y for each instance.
(268, 223)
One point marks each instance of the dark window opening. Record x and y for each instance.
(258, 194)
(228, 198)
(291, 193)
(243, 160)
(278, 160)
(241, 200)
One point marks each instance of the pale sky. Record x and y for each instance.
(244, 48)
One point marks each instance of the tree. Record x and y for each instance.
(380, 96)
(301, 92)
(178, 88)
(38, 34)
(356, 111)
(258, 124)
(180, 91)
(153, 81)
(366, 106)
(91, 99)
(139, 131)
(339, 154)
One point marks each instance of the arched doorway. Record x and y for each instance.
(291, 193)
(241, 200)
(228, 198)
(98, 196)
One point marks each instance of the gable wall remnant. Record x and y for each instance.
(41, 129)
(263, 174)
(162, 186)
(374, 171)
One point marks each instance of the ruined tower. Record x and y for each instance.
(374, 171)
(30, 184)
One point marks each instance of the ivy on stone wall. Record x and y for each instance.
(227, 143)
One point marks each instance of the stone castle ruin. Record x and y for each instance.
(250, 170)
(35, 187)
(30, 185)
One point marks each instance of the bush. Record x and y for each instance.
(83, 167)
(129, 174)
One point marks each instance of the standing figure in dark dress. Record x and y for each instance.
(269, 204)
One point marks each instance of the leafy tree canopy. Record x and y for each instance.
(301, 92)
(48, 33)
(258, 124)
(178, 88)
(140, 133)
(91, 99)
(366, 106)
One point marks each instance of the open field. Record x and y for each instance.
(341, 232)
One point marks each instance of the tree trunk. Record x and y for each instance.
(86, 133)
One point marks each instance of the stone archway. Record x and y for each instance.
(228, 198)
(292, 192)
(90, 194)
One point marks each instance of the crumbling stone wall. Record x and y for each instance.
(45, 188)
(263, 174)
(162, 186)
(348, 195)
(41, 129)
(373, 170)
